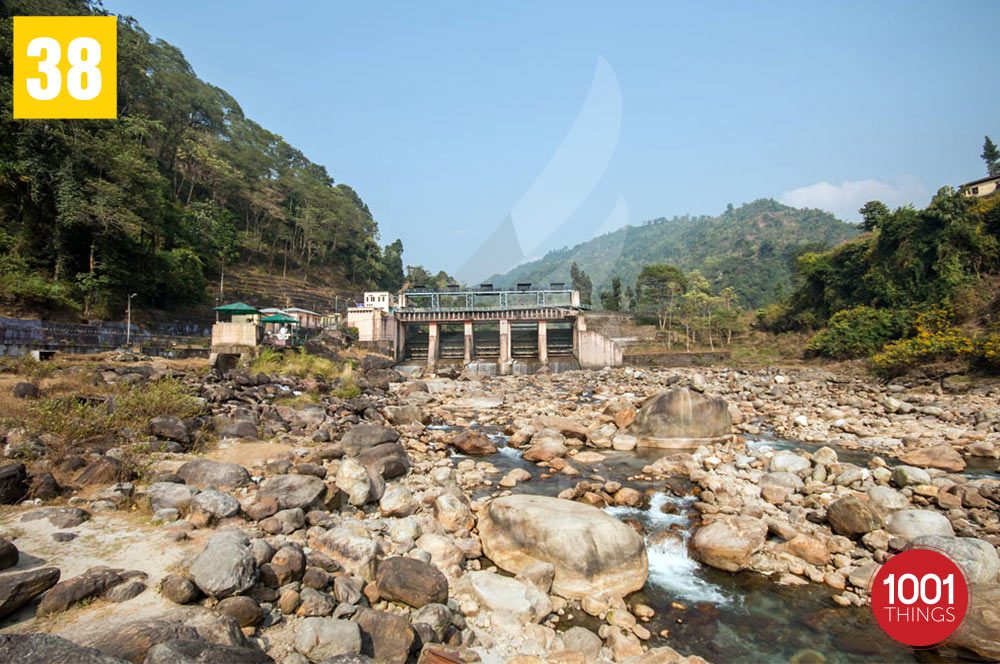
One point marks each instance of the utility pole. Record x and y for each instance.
(128, 324)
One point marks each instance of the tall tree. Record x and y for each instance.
(582, 283)
(872, 213)
(657, 290)
(991, 155)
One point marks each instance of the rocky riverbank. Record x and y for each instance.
(457, 518)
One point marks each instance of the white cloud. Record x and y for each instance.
(845, 199)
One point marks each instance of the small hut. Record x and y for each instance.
(280, 329)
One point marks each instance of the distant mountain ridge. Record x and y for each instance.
(751, 248)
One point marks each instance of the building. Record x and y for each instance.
(306, 318)
(383, 300)
(982, 187)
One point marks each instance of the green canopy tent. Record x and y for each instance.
(274, 320)
(236, 309)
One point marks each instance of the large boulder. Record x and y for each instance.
(46, 649)
(977, 557)
(192, 651)
(788, 462)
(360, 437)
(386, 637)
(502, 593)
(411, 581)
(206, 474)
(13, 483)
(682, 418)
(168, 495)
(292, 491)
(388, 460)
(24, 390)
(65, 594)
(217, 503)
(169, 427)
(226, 566)
(913, 523)
(19, 588)
(729, 542)
(852, 517)
(941, 456)
(593, 553)
(352, 552)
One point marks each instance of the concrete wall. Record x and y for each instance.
(595, 351)
(367, 320)
(234, 334)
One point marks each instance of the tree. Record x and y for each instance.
(872, 213)
(611, 300)
(629, 303)
(657, 289)
(582, 283)
(991, 155)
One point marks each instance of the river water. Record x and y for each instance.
(724, 617)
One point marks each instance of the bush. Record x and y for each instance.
(295, 363)
(860, 332)
(937, 339)
(988, 348)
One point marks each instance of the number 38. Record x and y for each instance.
(83, 55)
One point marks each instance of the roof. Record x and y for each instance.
(237, 308)
(982, 180)
(272, 310)
(278, 318)
(305, 311)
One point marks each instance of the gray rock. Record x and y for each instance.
(679, 417)
(191, 651)
(502, 593)
(19, 588)
(360, 437)
(24, 390)
(977, 557)
(904, 476)
(323, 638)
(217, 503)
(125, 591)
(886, 500)
(851, 516)
(49, 649)
(8, 554)
(13, 483)
(167, 495)
(388, 460)
(206, 474)
(169, 427)
(584, 641)
(226, 566)
(914, 523)
(65, 594)
(789, 462)
(292, 490)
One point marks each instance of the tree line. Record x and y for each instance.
(179, 188)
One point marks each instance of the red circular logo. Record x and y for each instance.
(919, 597)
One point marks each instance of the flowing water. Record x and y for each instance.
(724, 617)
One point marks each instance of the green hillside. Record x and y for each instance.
(751, 248)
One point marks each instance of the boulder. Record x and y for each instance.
(502, 593)
(886, 500)
(681, 418)
(453, 513)
(789, 462)
(401, 415)
(978, 634)
(472, 443)
(852, 517)
(389, 460)
(397, 501)
(937, 456)
(977, 557)
(13, 483)
(65, 594)
(386, 637)
(360, 437)
(46, 649)
(593, 553)
(354, 553)
(168, 495)
(102, 470)
(19, 588)
(729, 542)
(206, 474)
(566, 426)
(546, 445)
(239, 429)
(8, 554)
(179, 589)
(411, 582)
(352, 479)
(320, 639)
(245, 610)
(217, 503)
(292, 491)
(23, 390)
(226, 566)
(192, 651)
(914, 523)
(169, 427)
(904, 476)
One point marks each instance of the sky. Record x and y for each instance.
(530, 126)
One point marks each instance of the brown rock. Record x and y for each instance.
(388, 637)
(472, 443)
(938, 456)
(852, 517)
(411, 581)
(246, 611)
(19, 588)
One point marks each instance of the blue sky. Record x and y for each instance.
(445, 116)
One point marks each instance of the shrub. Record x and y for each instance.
(937, 339)
(988, 348)
(859, 332)
(295, 363)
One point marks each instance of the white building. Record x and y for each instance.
(380, 300)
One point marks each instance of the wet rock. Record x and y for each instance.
(937, 456)
(977, 557)
(852, 517)
(385, 637)
(361, 437)
(19, 588)
(680, 416)
(914, 523)
(472, 443)
(324, 638)
(411, 582)
(292, 491)
(47, 649)
(191, 651)
(502, 593)
(179, 589)
(13, 483)
(593, 553)
(206, 474)
(169, 427)
(729, 542)
(225, 567)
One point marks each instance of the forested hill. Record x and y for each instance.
(751, 248)
(162, 200)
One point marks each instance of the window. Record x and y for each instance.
(975, 190)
